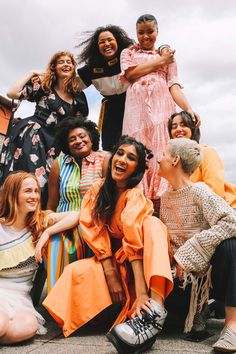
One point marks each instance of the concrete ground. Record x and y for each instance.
(89, 342)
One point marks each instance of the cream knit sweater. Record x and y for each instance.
(197, 221)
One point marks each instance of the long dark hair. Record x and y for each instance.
(108, 193)
(90, 54)
(188, 122)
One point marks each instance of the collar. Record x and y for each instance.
(89, 158)
(112, 61)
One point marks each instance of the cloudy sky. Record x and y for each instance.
(203, 33)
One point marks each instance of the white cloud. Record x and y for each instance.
(202, 32)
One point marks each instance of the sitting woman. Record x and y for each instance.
(72, 174)
(211, 170)
(131, 263)
(202, 230)
(21, 223)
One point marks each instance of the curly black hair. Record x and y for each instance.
(90, 54)
(188, 122)
(70, 123)
(107, 195)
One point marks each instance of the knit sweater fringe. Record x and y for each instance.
(199, 295)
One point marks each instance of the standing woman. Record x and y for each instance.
(101, 54)
(131, 262)
(211, 169)
(71, 175)
(21, 224)
(150, 100)
(30, 143)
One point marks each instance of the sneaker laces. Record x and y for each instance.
(144, 325)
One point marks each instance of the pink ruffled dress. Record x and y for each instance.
(148, 107)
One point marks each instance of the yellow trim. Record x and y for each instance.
(101, 116)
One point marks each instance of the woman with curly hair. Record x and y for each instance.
(29, 145)
(21, 224)
(101, 54)
(71, 175)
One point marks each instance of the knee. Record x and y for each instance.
(30, 324)
(4, 323)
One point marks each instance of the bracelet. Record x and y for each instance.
(108, 270)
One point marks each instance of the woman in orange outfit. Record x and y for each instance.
(131, 264)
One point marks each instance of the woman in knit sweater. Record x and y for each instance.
(202, 230)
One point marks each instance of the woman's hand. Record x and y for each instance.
(167, 54)
(41, 245)
(142, 304)
(195, 117)
(114, 285)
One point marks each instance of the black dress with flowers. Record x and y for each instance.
(29, 145)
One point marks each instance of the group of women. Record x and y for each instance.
(99, 238)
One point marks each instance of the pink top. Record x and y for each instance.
(149, 105)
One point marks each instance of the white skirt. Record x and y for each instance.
(15, 297)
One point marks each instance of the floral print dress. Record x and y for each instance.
(29, 145)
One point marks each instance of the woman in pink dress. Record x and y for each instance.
(151, 97)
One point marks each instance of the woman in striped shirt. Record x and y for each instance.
(72, 174)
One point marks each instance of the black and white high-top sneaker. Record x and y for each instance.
(138, 334)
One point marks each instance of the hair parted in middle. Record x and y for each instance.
(188, 122)
(107, 195)
(90, 53)
(70, 123)
(50, 78)
(9, 202)
(189, 152)
(146, 17)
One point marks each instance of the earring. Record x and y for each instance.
(173, 164)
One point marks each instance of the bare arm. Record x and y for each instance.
(140, 287)
(105, 164)
(62, 222)
(146, 68)
(16, 89)
(113, 280)
(180, 99)
(53, 187)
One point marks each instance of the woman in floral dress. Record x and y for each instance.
(151, 97)
(29, 145)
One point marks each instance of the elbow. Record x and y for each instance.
(13, 95)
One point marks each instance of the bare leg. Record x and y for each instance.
(157, 298)
(230, 318)
(12, 330)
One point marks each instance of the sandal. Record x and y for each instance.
(226, 342)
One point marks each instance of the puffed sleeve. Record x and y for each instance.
(137, 207)
(94, 232)
(172, 75)
(84, 77)
(81, 104)
(211, 170)
(127, 62)
(32, 91)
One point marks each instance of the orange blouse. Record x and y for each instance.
(126, 223)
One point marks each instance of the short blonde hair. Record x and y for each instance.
(189, 152)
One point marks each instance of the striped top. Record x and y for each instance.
(17, 263)
(73, 183)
